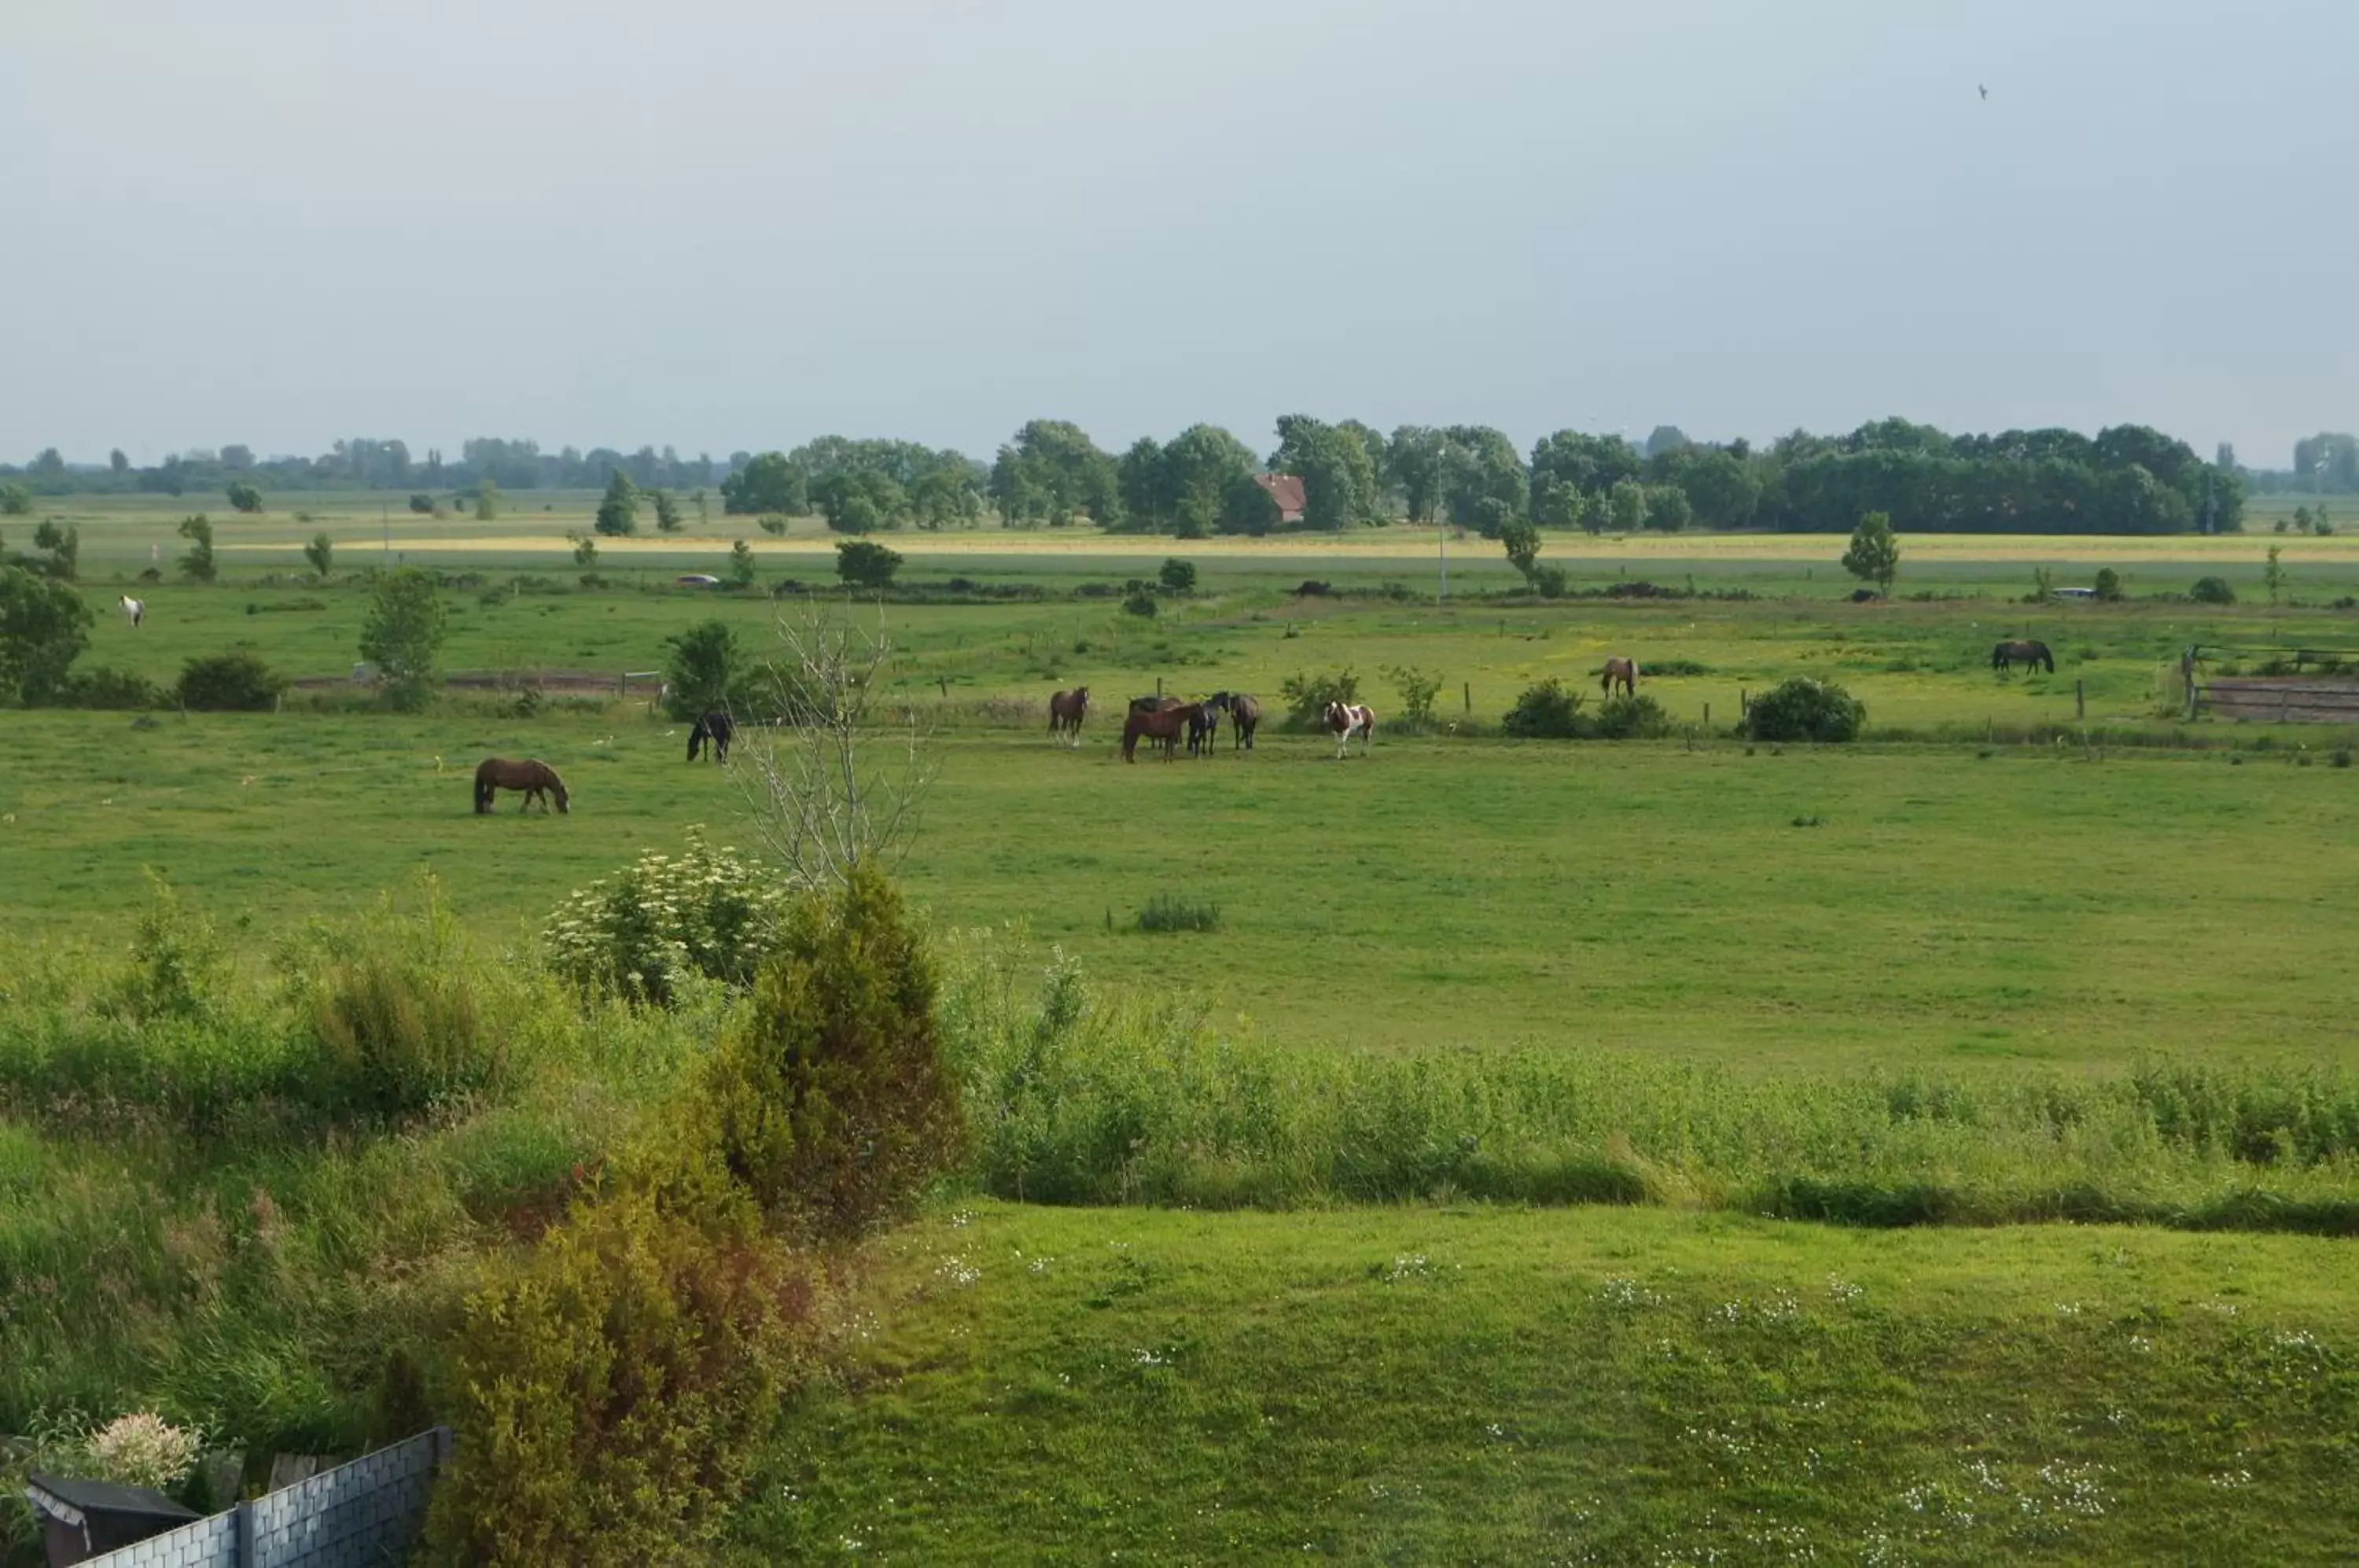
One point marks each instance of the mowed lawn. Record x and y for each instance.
(1831, 906)
(1593, 1386)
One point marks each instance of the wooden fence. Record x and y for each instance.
(2280, 698)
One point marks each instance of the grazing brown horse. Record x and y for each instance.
(1245, 717)
(2006, 655)
(534, 776)
(1160, 726)
(1066, 711)
(1624, 670)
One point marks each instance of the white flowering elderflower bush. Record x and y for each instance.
(143, 1449)
(642, 933)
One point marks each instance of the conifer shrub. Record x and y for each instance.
(830, 1100)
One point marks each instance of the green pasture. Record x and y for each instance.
(1897, 905)
(1601, 1385)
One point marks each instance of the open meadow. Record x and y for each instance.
(1515, 1043)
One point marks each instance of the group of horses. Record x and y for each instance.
(538, 780)
(1164, 721)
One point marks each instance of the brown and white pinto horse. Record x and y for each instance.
(1624, 670)
(1066, 711)
(1346, 720)
(535, 777)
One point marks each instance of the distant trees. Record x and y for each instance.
(197, 564)
(701, 667)
(1483, 479)
(1414, 460)
(1874, 552)
(741, 564)
(1052, 473)
(1178, 576)
(1181, 488)
(245, 498)
(16, 501)
(1338, 481)
(766, 483)
(859, 500)
(667, 512)
(322, 553)
(422, 503)
(487, 499)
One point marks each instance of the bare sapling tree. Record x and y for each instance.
(831, 777)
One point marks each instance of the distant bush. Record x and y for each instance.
(1674, 666)
(422, 503)
(106, 688)
(1141, 602)
(643, 932)
(1178, 576)
(178, 968)
(1307, 696)
(2108, 586)
(228, 683)
(1632, 717)
(2211, 591)
(829, 1099)
(1170, 912)
(1804, 709)
(1544, 712)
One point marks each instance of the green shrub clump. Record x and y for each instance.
(1544, 712)
(611, 1395)
(1804, 709)
(831, 1102)
(2211, 591)
(1167, 912)
(665, 919)
(1306, 697)
(228, 683)
(1632, 716)
(395, 1013)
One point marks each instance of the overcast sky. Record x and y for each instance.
(737, 224)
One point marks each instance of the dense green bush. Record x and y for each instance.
(610, 1394)
(1307, 696)
(1632, 716)
(1544, 712)
(2211, 591)
(702, 665)
(1170, 912)
(106, 688)
(644, 932)
(830, 1101)
(228, 683)
(1804, 709)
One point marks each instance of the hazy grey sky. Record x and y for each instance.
(729, 224)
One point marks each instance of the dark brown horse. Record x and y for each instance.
(1624, 670)
(1203, 728)
(1066, 711)
(711, 726)
(534, 776)
(1159, 727)
(1245, 717)
(2007, 655)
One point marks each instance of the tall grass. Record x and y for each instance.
(1076, 1097)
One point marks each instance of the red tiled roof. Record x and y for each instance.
(1285, 489)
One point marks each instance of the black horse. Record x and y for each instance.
(2009, 654)
(711, 726)
(1203, 725)
(1245, 717)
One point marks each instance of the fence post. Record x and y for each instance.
(2079, 701)
(1158, 685)
(1707, 715)
(1469, 690)
(245, 1529)
(1990, 732)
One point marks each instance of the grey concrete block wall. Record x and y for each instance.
(356, 1516)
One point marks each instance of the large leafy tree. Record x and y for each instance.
(1580, 463)
(769, 483)
(1053, 472)
(197, 565)
(1339, 483)
(402, 631)
(1481, 464)
(1874, 552)
(1416, 458)
(44, 627)
(1198, 467)
(701, 666)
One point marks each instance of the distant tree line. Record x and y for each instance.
(2324, 464)
(2128, 479)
